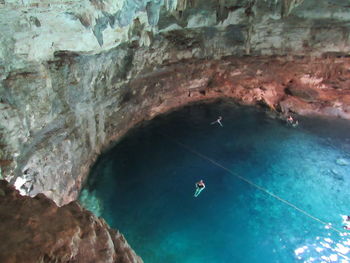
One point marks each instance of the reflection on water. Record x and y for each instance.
(330, 248)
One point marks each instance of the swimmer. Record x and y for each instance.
(295, 124)
(346, 219)
(218, 121)
(199, 188)
(291, 121)
(346, 222)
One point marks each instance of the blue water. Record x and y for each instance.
(144, 187)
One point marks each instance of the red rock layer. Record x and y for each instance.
(37, 230)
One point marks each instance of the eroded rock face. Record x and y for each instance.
(76, 75)
(90, 105)
(33, 30)
(36, 230)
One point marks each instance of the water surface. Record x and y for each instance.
(144, 187)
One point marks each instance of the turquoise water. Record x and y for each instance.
(144, 187)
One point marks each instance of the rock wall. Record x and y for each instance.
(91, 105)
(76, 75)
(36, 230)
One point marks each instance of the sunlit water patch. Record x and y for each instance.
(144, 187)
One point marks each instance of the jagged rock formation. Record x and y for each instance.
(36, 230)
(70, 72)
(33, 30)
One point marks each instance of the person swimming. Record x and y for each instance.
(218, 121)
(346, 222)
(290, 120)
(199, 188)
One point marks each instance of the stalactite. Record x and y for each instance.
(250, 13)
(288, 6)
(170, 5)
(221, 11)
(181, 5)
(153, 9)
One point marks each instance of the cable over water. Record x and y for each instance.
(251, 183)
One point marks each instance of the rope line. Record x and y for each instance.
(251, 183)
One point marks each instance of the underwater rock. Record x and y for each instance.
(336, 175)
(335, 172)
(342, 162)
(90, 201)
(37, 230)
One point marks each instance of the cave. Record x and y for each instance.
(78, 77)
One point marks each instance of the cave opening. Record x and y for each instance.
(144, 187)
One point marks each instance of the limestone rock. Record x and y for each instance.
(36, 230)
(76, 75)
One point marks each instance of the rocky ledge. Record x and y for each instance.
(37, 230)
